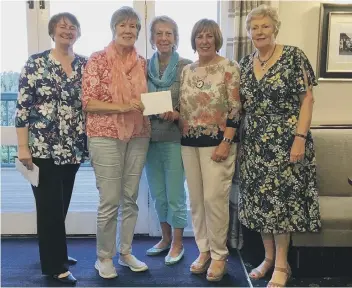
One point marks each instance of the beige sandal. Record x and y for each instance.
(215, 277)
(198, 267)
(287, 271)
(259, 274)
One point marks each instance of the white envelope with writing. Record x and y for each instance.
(157, 102)
(31, 175)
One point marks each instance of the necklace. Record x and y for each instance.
(200, 80)
(163, 65)
(162, 68)
(264, 63)
(200, 83)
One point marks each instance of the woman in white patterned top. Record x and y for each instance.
(209, 116)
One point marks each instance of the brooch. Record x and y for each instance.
(200, 84)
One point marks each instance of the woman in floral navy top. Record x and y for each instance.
(50, 130)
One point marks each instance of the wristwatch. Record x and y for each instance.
(227, 140)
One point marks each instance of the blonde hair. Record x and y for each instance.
(264, 11)
(207, 25)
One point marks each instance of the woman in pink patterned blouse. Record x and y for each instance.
(118, 135)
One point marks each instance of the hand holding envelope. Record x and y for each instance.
(156, 102)
(31, 175)
(170, 116)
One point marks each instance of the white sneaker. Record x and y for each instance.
(106, 268)
(133, 263)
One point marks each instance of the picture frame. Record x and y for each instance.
(335, 42)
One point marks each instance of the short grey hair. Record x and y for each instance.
(166, 20)
(264, 11)
(207, 25)
(123, 14)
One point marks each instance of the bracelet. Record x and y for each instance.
(227, 140)
(301, 135)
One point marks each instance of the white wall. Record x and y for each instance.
(300, 27)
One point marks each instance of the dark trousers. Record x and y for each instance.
(52, 197)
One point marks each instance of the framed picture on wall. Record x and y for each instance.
(335, 42)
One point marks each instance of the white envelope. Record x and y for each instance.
(156, 102)
(31, 175)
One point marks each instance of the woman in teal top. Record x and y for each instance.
(164, 162)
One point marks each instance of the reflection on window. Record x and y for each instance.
(14, 47)
(14, 53)
(186, 14)
(94, 18)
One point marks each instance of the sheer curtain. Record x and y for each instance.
(238, 43)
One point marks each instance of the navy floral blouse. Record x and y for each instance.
(49, 104)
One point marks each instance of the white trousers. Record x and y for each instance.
(209, 185)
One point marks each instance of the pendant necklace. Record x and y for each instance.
(162, 68)
(263, 64)
(200, 81)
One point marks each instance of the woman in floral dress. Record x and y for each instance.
(50, 132)
(277, 161)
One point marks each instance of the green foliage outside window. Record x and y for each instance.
(9, 84)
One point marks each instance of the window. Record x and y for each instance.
(14, 54)
(23, 33)
(186, 14)
(94, 18)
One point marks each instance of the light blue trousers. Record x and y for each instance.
(165, 175)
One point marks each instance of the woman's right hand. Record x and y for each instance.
(24, 155)
(134, 105)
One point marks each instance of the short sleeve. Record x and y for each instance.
(302, 68)
(244, 71)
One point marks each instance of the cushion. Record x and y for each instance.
(336, 212)
(334, 160)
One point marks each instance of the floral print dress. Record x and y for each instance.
(276, 196)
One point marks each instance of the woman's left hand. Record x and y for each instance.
(297, 150)
(221, 152)
(170, 116)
